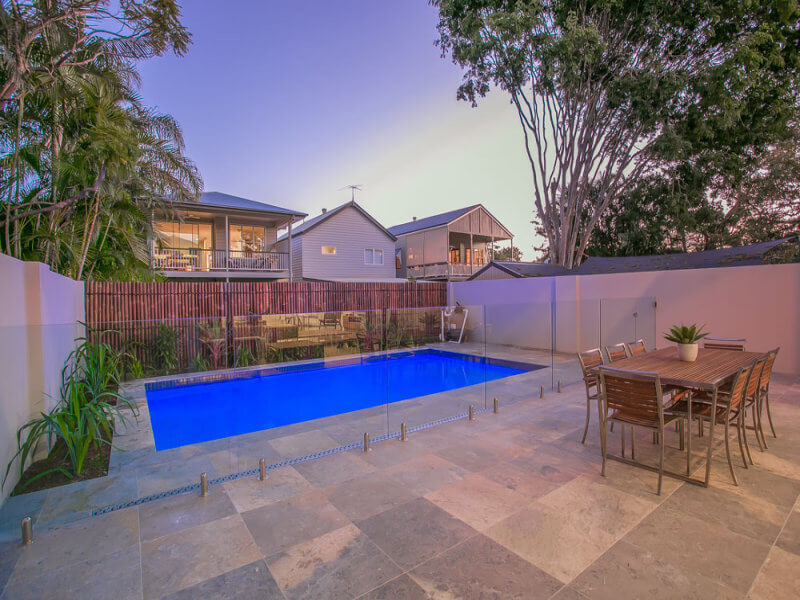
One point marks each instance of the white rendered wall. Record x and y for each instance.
(39, 315)
(760, 303)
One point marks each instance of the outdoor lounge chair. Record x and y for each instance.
(725, 343)
(633, 398)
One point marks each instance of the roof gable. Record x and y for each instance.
(310, 224)
(432, 221)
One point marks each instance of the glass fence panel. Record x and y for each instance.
(627, 320)
(166, 347)
(519, 351)
(577, 329)
(437, 374)
(317, 381)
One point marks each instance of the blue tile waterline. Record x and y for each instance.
(277, 396)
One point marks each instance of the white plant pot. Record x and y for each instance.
(687, 352)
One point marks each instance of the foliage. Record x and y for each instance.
(82, 160)
(165, 348)
(213, 335)
(611, 94)
(688, 209)
(507, 254)
(86, 414)
(244, 357)
(682, 334)
(133, 366)
(199, 363)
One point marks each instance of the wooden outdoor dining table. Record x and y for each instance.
(711, 371)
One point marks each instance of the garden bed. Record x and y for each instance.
(96, 465)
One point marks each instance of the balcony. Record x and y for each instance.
(208, 260)
(443, 271)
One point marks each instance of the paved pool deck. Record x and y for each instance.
(508, 506)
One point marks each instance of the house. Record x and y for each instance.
(753, 254)
(448, 246)
(221, 237)
(344, 243)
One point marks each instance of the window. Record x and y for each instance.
(176, 235)
(329, 249)
(247, 238)
(373, 256)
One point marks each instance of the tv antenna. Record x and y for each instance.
(353, 189)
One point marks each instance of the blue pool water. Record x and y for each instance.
(188, 414)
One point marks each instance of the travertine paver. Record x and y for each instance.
(509, 506)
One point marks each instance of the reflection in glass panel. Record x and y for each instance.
(247, 238)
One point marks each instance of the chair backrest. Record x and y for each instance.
(636, 348)
(590, 359)
(754, 378)
(636, 393)
(739, 387)
(766, 372)
(725, 343)
(616, 352)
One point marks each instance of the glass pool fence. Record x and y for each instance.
(218, 395)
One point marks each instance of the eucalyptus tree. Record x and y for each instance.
(83, 159)
(610, 92)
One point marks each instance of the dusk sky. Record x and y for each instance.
(287, 102)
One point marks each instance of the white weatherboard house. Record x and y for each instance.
(449, 246)
(342, 244)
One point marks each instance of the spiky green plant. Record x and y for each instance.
(86, 415)
(682, 334)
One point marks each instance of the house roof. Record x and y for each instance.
(524, 269)
(309, 224)
(597, 265)
(220, 200)
(706, 259)
(428, 222)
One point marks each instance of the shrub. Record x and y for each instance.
(165, 348)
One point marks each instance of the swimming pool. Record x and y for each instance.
(184, 413)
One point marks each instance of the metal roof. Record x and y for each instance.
(314, 221)
(705, 259)
(220, 200)
(601, 265)
(524, 269)
(428, 222)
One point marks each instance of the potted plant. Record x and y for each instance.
(686, 338)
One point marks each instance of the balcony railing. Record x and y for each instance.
(200, 259)
(443, 271)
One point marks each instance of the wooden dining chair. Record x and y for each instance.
(730, 411)
(633, 398)
(751, 402)
(590, 360)
(616, 352)
(763, 392)
(724, 343)
(636, 348)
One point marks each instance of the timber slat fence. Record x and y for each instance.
(136, 311)
(112, 302)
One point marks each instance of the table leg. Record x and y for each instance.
(689, 437)
(713, 422)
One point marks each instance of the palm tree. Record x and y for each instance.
(84, 162)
